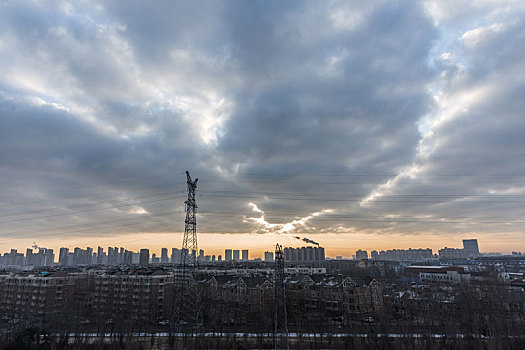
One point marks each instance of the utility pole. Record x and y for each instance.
(280, 331)
(187, 306)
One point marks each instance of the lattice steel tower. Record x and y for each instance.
(189, 243)
(280, 336)
(187, 304)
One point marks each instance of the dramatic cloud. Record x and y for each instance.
(401, 117)
(288, 227)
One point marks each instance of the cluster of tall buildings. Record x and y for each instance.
(396, 254)
(470, 250)
(304, 254)
(236, 255)
(78, 256)
(44, 257)
(113, 256)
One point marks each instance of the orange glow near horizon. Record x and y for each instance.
(343, 245)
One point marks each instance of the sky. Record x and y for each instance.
(390, 124)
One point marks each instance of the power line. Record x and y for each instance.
(84, 227)
(302, 195)
(97, 228)
(357, 219)
(349, 197)
(91, 210)
(267, 175)
(323, 182)
(288, 214)
(101, 194)
(331, 218)
(91, 204)
(361, 195)
(96, 185)
(326, 217)
(360, 174)
(349, 200)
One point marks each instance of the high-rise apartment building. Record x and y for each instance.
(268, 256)
(144, 257)
(62, 256)
(245, 254)
(45, 257)
(77, 256)
(29, 257)
(89, 255)
(175, 255)
(121, 255)
(111, 256)
(452, 253)
(228, 254)
(236, 255)
(403, 254)
(128, 258)
(471, 247)
(304, 254)
(164, 256)
(361, 255)
(100, 255)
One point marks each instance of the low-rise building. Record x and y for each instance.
(446, 274)
(138, 294)
(333, 299)
(34, 295)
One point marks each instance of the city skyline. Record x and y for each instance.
(242, 254)
(388, 125)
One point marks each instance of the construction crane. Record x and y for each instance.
(34, 246)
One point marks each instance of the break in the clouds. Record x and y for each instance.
(400, 117)
(292, 226)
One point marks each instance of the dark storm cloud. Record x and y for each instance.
(104, 105)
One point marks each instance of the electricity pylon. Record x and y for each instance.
(189, 243)
(187, 306)
(280, 330)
